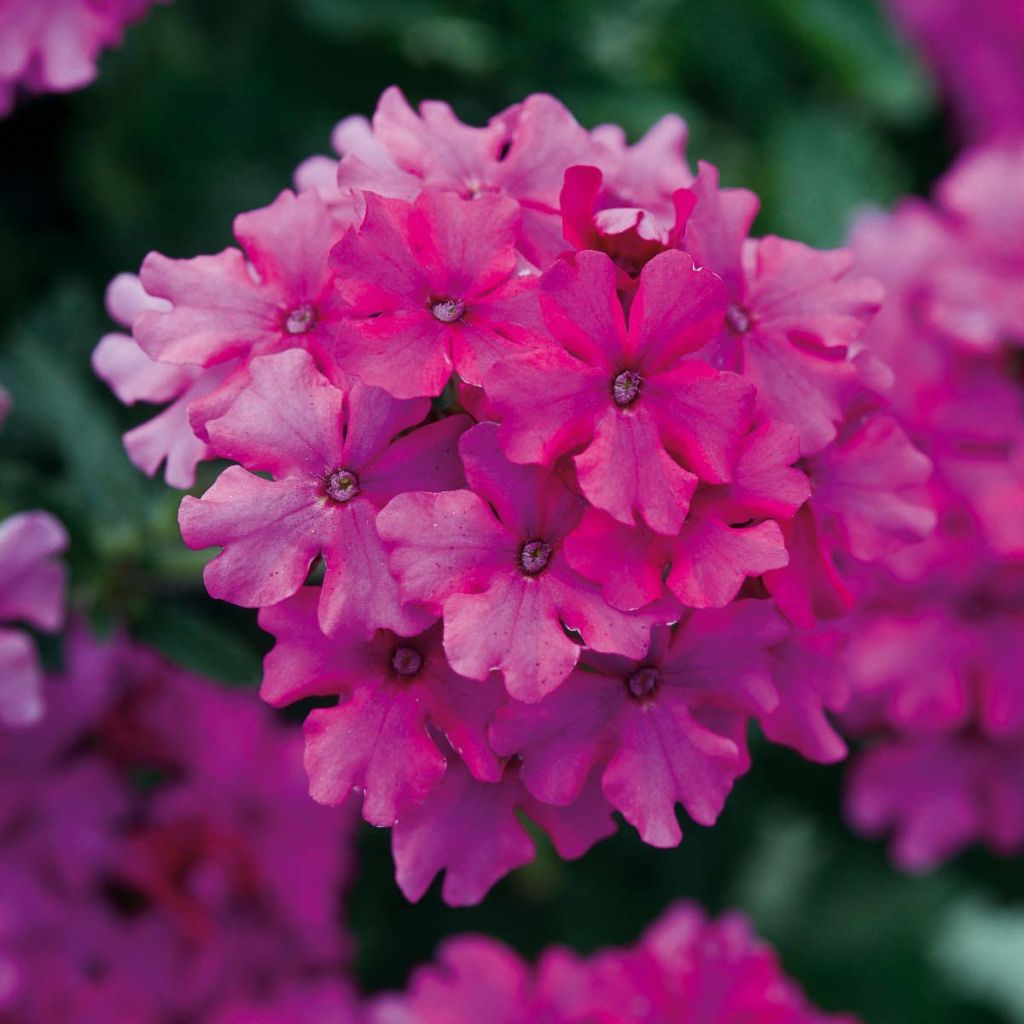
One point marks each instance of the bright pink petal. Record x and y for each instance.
(625, 471)
(702, 414)
(442, 544)
(667, 757)
(219, 309)
(711, 560)
(718, 227)
(375, 740)
(676, 310)
(358, 589)
(583, 312)
(287, 419)
(628, 562)
(270, 533)
(467, 829)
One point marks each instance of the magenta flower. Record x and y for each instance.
(433, 288)
(935, 639)
(650, 425)
(730, 533)
(167, 439)
(471, 830)
(491, 560)
(53, 46)
(32, 591)
(975, 54)
(276, 292)
(938, 795)
(664, 729)
(794, 316)
(522, 153)
(594, 217)
(660, 422)
(213, 886)
(395, 691)
(334, 464)
(686, 969)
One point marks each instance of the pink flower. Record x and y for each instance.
(632, 236)
(133, 376)
(795, 314)
(660, 421)
(432, 284)
(491, 560)
(935, 641)
(334, 464)
(666, 728)
(975, 52)
(729, 533)
(395, 691)
(471, 830)
(53, 46)
(650, 425)
(276, 292)
(214, 885)
(686, 969)
(32, 591)
(522, 152)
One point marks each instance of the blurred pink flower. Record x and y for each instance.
(53, 45)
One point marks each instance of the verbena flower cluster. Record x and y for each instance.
(159, 859)
(685, 970)
(937, 644)
(53, 45)
(32, 593)
(543, 469)
(976, 52)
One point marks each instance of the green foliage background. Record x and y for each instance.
(204, 113)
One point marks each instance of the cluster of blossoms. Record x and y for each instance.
(938, 640)
(52, 45)
(976, 52)
(685, 970)
(32, 592)
(544, 470)
(159, 860)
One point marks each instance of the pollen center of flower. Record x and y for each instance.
(300, 319)
(626, 387)
(448, 310)
(534, 557)
(643, 682)
(737, 319)
(406, 661)
(342, 485)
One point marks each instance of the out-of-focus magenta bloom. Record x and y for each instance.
(53, 45)
(501, 401)
(32, 592)
(976, 52)
(938, 639)
(686, 969)
(160, 860)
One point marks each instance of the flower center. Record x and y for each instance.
(300, 319)
(626, 387)
(406, 661)
(737, 319)
(534, 557)
(342, 485)
(643, 682)
(448, 310)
